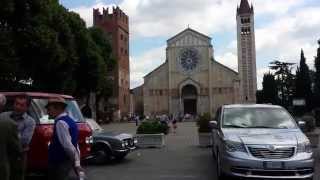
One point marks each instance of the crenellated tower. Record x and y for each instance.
(246, 52)
(116, 25)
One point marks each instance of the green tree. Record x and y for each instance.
(269, 91)
(48, 48)
(317, 77)
(303, 81)
(285, 81)
(259, 97)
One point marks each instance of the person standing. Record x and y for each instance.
(64, 155)
(174, 125)
(25, 123)
(10, 147)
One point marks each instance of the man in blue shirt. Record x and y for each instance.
(25, 123)
(64, 155)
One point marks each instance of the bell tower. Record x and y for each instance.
(246, 52)
(116, 25)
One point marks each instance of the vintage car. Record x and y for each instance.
(109, 145)
(38, 153)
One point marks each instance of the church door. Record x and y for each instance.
(189, 99)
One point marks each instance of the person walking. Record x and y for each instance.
(10, 148)
(64, 155)
(174, 125)
(25, 123)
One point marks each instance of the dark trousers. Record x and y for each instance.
(60, 171)
(18, 168)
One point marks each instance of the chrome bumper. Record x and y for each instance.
(128, 149)
(255, 168)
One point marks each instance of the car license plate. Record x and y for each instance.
(273, 165)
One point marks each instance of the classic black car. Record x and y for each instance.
(109, 145)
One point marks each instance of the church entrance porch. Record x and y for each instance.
(190, 106)
(189, 98)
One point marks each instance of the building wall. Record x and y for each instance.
(225, 86)
(116, 25)
(156, 92)
(137, 101)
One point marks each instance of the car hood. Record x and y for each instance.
(265, 136)
(116, 135)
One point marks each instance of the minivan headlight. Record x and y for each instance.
(232, 146)
(304, 147)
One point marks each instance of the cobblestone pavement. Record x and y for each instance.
(181, 158)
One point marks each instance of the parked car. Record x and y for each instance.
(38, 154)
(260, 141)
(109, 145)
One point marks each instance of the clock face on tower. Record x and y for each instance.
(189, 59)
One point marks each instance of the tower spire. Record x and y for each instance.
(245, 7)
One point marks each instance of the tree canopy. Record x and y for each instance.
(303, 81)
(44, 47)
(317, 76)
(270, 89)
(285, 80)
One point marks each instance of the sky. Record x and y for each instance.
(282, 29)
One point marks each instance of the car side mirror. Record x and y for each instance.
(302, 124)
(213, 124)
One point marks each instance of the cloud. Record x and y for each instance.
(286, 36)
(145, 63)
(229, 59)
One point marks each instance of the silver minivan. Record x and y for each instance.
(260, 141)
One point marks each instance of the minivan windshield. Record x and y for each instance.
(72, 109)
(276, 118)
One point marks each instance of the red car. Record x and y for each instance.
(38, 154)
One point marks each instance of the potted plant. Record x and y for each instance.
(151, 133)
(204, 130)
(310, 129)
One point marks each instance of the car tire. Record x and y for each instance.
(102, 154)
(220, 174)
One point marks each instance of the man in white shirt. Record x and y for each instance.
(64, 153)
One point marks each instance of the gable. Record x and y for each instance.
(189, 37)
(225, 69)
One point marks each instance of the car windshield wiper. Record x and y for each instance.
(263, 127)
(234, 126)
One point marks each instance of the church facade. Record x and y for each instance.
(191, 81)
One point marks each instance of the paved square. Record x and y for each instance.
(181, 158)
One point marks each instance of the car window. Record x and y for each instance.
(94, 125)
(72, 110)
(257, 118)
(9, 107)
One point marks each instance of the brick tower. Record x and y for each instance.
(116, 25)
(246, 52)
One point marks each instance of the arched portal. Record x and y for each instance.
(189, 98)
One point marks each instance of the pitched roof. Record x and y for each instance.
(189, 29)
(244, 7)
(225, 67)
(155, 69)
